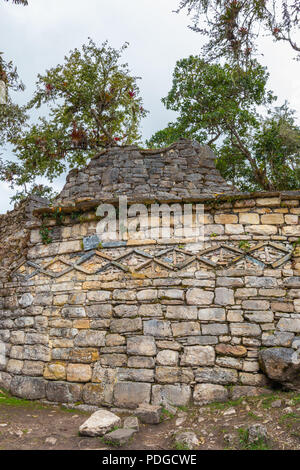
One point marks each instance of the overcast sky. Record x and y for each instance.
(38, 36)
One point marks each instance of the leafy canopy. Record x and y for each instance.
(92, 102)
(218, 105)
(233, 27)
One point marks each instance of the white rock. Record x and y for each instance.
(100, 423)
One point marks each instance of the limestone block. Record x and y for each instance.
(185, 328)
(197, 296)
(198, 356)
(167, 357)
(131, 394)
(245, 329)
(177, 395)
(141, 346)
(90, 338)
(181, 312)
(157, 328)
(209, 393)
(79, 373)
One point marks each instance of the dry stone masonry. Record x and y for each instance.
(120, 324)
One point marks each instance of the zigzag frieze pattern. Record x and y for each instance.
(264, 255)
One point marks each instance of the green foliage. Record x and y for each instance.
(244, 245)
(218, 105)
(259, 444)
(35, 190)
(45, 235)
(92, 101)
(12, 116)
(181, 446)
(234, 27)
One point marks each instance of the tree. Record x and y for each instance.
(92, 102)
(275, 147)
(12, 116)
(234, 26)
(217, 105)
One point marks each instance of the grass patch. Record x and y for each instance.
(226, 404)
(165, 414)
(181, 446)
(259, 444)
(8, 400)
(253, 415)
(183, 408)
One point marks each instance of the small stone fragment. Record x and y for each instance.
(99, 423)
(149, 414)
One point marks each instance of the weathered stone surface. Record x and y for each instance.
(289, 324)
(31, 388)
(149, 414)
(185, 328)
(139, 362)
(14, 366)
(257, 433)
(196, 296)
(167, 357)
(135, 375)
(90, 338)
(166, 374)
(278, 339)
(255, 304)
(224, 296)
(141, 346)
(115, 340)
(256, 380)
(216, 375)
(181, 312)
(216, 329)
(79, 373)
(96, 394)
(229, 350)
(125, 311)
(5, 380)
(245, 329)
(100, 423)
(157, 328)
(281, 365)
(177, 395)
(264, 281)
(33, 368)
(260, 317)
(99, 296)
(209, 393)
(124, 294)
(188, 439)
(198, 356)
(147, 294)
(126, 325)
(212, 314)
(55, 371)
(119, 437)
(26, 300)
(131, 422)
(239, 391)
(150, 310)
(113, 360)
(130, 395)
(229, 282)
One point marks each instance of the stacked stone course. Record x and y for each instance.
(151, 321)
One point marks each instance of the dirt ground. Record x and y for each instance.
(30, 425)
